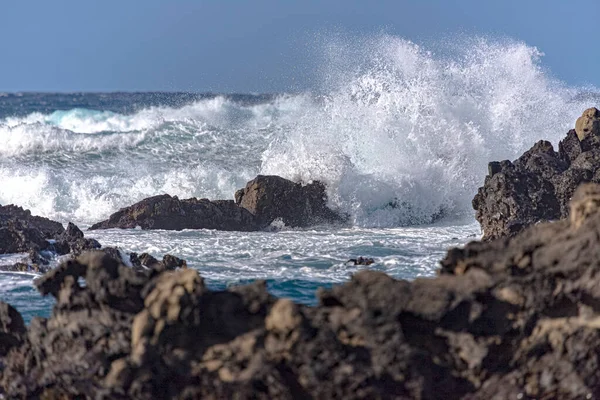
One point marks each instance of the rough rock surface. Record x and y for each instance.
(264, 199)
(21, 232)
(588, 123)
(513, 318)
(270, 197)
(166, 212)
(538, 185)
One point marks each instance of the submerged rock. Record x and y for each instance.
(512, 318)
(538, 185)
(264, 200)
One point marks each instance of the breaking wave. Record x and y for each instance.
(400, 133)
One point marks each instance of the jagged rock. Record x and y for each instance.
(21, 232)
(18, 238)
(588, 123)
(511, 318)
(361, 261)
(72, 240)
(12, 328)
(166, 212)
(45, 226)
(539, 185)
(271, 197)
(263, 200)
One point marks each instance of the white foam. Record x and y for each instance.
(399, 133)
(399, 123)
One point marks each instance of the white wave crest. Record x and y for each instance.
(400, 133)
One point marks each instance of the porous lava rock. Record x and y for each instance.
(22, 232)
(511, 318)
(261, 202)
(270, 197)
(538, 185)
(168, 212)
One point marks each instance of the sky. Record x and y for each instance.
(226, 46)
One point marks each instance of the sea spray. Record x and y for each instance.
(401, 133)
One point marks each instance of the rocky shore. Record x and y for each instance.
(514, 316)
(538, 185)
(511, 318)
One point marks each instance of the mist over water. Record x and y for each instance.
(400, 133)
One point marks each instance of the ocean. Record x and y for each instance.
(400, 133)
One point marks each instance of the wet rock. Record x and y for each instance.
(12, 328)
(361, 261)
(271, 198)
(538, 185)
(45, 226)
(588, 123)
(166, 212)
(72, 240)
(512, 318)
(263, 200)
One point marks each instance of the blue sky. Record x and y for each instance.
(257, 46)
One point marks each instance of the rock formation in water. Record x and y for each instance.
(512, 318)
(263, 200)
(21, 232)
(168, 212)
(40, 237)
(538, 185)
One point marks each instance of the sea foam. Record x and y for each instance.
(401, 134)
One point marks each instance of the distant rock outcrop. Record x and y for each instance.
(21, 232)
(538, 185)
(167, 212)
(270, 197)
(262, 201)
(506, 319)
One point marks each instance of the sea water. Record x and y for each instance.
(400, 133)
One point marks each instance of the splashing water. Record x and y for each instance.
(400, 133)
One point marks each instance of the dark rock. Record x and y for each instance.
(12, 328)
(513, 199)
(262, 201)
(45, 226)
(16, 237)
(538, 185)
(361, 261)
(166, 212)
(270, 197)
(511, 318)
(171, 262)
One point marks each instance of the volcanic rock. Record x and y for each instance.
(588, 123)
(166, 212)
(539, 185)
(262, 201)
(512, 318)
(270, 197)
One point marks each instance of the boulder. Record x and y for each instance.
(269, 198)
(22, 232)
(168, 212)
(262, 201)
(538, 185)
(588, 123)
(510, 318)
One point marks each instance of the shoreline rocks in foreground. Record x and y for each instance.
(263, 200)
(511, 318)
(538, 185)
